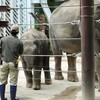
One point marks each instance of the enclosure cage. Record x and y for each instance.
(18, 14)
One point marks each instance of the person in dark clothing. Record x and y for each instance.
(12, 48)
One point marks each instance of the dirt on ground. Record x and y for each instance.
(68, 94)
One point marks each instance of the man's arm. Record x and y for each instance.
(0, 46)
(21, 49)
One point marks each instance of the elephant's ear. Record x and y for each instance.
(37, 44)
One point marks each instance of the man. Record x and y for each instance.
(12, 48)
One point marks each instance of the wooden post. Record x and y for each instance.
(3, 23)
(4, 9)
(87, 48)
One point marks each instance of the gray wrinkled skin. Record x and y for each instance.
(64, 15)
(35, 43)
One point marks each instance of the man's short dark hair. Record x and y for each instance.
(14, 33)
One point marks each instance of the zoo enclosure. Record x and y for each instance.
(19, 14)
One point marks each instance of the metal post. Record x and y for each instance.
(87, 48)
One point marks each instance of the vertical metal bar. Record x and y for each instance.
(87, 49)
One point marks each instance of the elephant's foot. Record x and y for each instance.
(73, 78)
(36, 85)
(59, 76)
(96, 78)
(48, 82)
(99, 89)
(97, 81)
(97, 86)
(29, 85)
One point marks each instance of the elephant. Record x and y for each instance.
(64, 24)
(35, 43)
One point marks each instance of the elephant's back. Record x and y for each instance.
(33, 33)
(62, 17)
(66, 12)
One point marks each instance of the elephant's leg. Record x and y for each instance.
(38, 63)
(96, 79)
(58, 71)
(72, 74)
(97, 63)
(28, 74)
(46, 69)
(57, 51)
(37, 78)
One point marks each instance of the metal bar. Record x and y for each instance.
(87, 49)
(11, 8)
(3, 23)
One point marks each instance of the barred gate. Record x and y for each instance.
(17, 14)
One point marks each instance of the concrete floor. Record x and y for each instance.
(58, 90)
